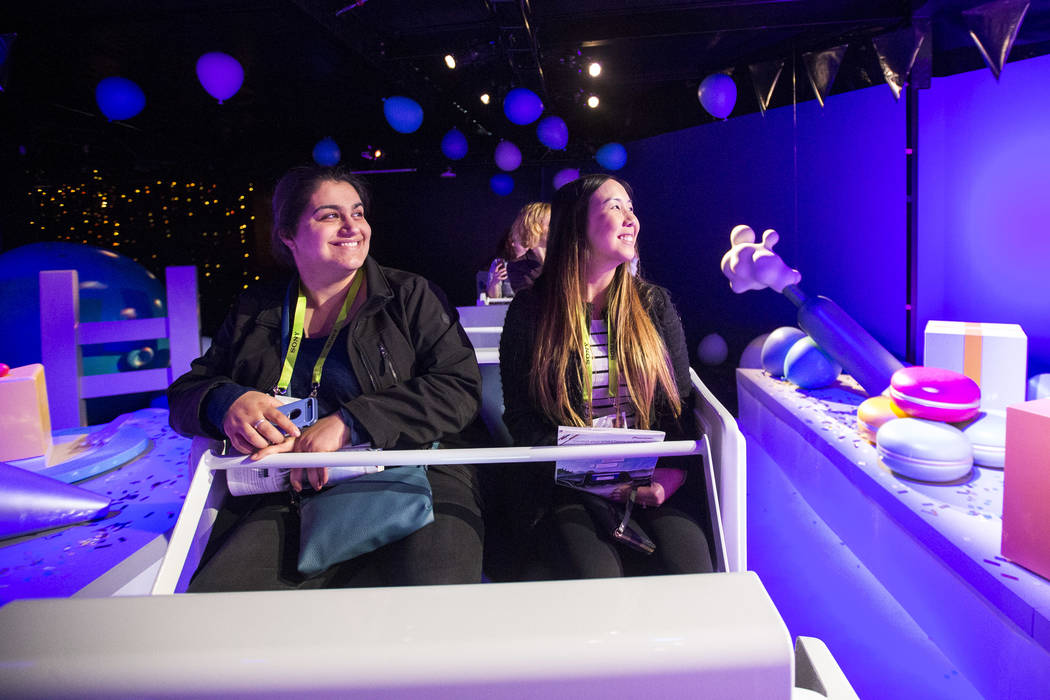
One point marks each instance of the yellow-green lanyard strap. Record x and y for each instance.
(296, 338)
(588, 375)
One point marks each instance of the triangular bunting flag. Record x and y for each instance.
(897, 52)
(30, 502)
(822, 67)
(764, 78)
(993, 27)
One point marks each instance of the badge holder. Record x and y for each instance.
(633, 538)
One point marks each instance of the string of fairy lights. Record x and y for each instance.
(159, 223)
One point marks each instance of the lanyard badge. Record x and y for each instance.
(296, 338)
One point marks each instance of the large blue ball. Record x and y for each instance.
(502, 184)
(522, 106)
(553, 133)
(775, 348)
(403, 114)
(119, 98)
(810, 367)
(112, 287)
(454, 145)
(611, 156)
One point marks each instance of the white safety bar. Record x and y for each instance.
(191, 529)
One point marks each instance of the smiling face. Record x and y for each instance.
(612, 227)
(332, 236)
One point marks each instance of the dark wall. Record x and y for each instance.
(830, 181)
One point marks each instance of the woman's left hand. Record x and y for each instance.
(665, 482)
(328, 434)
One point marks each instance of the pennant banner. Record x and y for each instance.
(993, 27)
(822, 67)
(764, 77)
(897, 52)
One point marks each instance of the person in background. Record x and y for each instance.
(389, 365)
(590, 342)
(530, 229)
(494, 280)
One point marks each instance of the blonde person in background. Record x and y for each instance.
(530, 230)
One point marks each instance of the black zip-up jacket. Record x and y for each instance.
(530, 487)
(418, 373)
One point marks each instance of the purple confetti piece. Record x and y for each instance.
(1004, 575)
(993, 563)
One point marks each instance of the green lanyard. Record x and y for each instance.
(296, 338)
(588, 379)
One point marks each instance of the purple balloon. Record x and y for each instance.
(553, 133)
(522, 106)
(565, 176)
(454, 145)
(119, 98)
(220, 74)
(508, 156)
(717, 94)
(502, 184)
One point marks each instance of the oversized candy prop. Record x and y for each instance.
(749, 265)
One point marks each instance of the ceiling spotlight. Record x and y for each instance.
(450, 61)
(595, 69)
(592, 101)
(485, 98)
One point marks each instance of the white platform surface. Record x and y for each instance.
(711, 635)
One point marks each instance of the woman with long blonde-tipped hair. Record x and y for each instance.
(592, 344)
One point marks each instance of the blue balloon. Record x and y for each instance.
(508, 156)
(553, 133)
(403, 114)
(611, 156)
(326, 152)
(119, 98)
(454, 145)
(565, 176)
(717, 95)
(502, 184)
(220, 74)
(522, 106)
(809, 367)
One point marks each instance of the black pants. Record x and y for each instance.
(587, 549)
(260, 550)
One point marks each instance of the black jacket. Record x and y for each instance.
(528, 425)
(418, 373)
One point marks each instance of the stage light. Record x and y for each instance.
(450, 61)
(595, 69)
(592, 101)
(485, 98)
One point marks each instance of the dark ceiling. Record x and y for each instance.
(317, 68)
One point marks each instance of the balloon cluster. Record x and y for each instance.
(220, 74)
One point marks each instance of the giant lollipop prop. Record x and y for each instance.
(750, 265)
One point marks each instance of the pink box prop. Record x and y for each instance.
(1026, 486)
(24, 414)
(995, 355)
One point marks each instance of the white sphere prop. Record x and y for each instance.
(776, 348)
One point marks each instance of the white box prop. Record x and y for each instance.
(995, 355)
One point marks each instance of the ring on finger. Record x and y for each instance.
(256, 424)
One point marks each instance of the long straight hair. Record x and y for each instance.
(640, 354)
